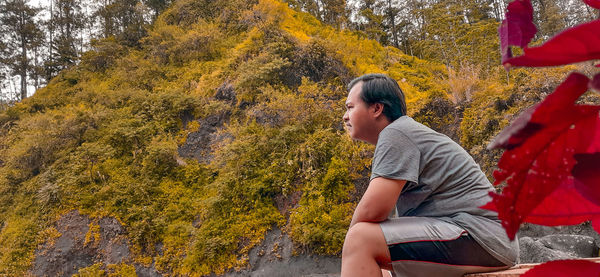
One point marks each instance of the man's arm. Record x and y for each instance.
(378, 201)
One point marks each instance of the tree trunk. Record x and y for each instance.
(23, 62)
(36, 79)
(107, 20)
(48, 72)
(23, 74)
(392, 18)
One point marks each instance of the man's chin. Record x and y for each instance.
(353, 137)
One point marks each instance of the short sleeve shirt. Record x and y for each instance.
(443, 181)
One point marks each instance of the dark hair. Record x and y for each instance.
(379, 88)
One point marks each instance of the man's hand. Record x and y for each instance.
(378, 201)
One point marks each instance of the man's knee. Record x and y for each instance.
(360, 233)
(366, 238)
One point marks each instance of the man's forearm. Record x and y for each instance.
(377, 202)
(365, 214)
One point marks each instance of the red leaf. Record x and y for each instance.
(515, 134)
(587, 179)
(565, 268)
(525, 125)
(518, 28)
(595, 83)
(541, 144)
(564, 206)
(593, 3)
(577, 44)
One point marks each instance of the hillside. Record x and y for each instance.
(223, 125)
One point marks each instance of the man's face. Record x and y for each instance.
(358, 119)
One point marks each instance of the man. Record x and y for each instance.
(420, 214)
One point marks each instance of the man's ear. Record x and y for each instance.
(377, 109)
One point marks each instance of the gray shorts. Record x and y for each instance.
(425, 246)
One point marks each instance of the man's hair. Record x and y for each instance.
(379, 88)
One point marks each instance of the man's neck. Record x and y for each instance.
(379, 126)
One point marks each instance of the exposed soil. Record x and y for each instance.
(199, 143)
(274, 258)
(78, 247)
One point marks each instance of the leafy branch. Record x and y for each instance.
(551, 162)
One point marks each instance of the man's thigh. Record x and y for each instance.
(423, 246)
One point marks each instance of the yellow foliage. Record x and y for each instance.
(94, 270)
(49, 235)
(92, 237)
(103, 138)
(16, 244)
(121, 270)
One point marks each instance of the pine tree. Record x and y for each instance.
(310, 6)
(477, 10)
(332, 12)
(456, 33)
(548, 18)
(391, 13)
(372, 19)
(123, 19)
(21, 34)
(335, 12)
(65, 27)
(157, 6)
(6, 94)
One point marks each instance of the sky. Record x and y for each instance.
(42, 4)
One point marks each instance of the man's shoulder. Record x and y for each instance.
(419, 135)
(404, 132)
(408, 127)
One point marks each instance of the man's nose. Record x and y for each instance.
(345, 117)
